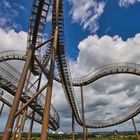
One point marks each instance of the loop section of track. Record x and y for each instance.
(68, 83)
(117, 68)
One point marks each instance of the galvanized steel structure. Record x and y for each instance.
(15, 82)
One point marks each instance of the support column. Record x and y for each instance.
(32, 120)
(11, 118)
(86, 133)
(16, 126)
(46, 113)
(22, 125)
(135, 128)
(23, 119)
(83, 116)
(31, 127)
(1, 108)
(73, 127)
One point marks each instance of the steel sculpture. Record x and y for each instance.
(19, 85)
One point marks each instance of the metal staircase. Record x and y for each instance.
(37, 23)
(9, 80)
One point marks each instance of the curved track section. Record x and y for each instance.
(12, 55)
(67, 84)
(37, 118)
(62, 64)
(9, 78)
(117, 68)
(37, 23)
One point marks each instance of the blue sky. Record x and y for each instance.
(118, 20)
(97, 32)
(122, 21)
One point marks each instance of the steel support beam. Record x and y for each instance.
(31, 127)
(11, 118)
(22, 125)
(32, 119)
(17, 124)
(73, 126)
(32, 85)
(45, 42)
(23, 119)
(1, 108)
(5, 101)
(135, 128)
(16, 127)
(27, 116)
(83, 115)
(86, 133)
(46, 113)
(31, 99)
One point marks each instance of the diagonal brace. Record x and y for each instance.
(45, 42)
(31, 99)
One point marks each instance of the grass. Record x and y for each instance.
(79, 137)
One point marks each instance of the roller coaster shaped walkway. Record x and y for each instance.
(9, 78)
(35, 36)
(116, 68)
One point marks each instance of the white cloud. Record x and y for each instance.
(96, 52)
(12, 40)
(87, 12)
(126, 3)
(111, 95)
(106, 97)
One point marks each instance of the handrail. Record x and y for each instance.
(11, 75)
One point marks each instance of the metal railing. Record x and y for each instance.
(10, 74)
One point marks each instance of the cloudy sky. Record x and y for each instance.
(96, 33)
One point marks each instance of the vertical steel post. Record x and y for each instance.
(31, 127)
(1, 108)
(16, 126)
(46, 112)
(32, 120)
(22, 125)
(73, 127)
(135, 128)
(23, 119)
(83, 116)
(11, 118)
(86, 133)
